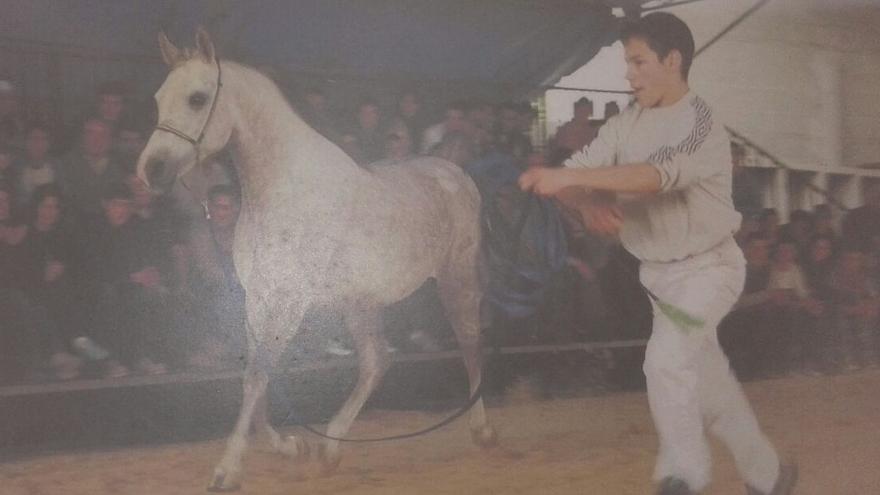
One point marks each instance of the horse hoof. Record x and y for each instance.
(485, 436)
(329, 460)
(295, 447)
(223, 484)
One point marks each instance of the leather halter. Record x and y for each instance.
(167, 127)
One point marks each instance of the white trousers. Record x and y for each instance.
(690, 384)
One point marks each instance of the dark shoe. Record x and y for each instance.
(674, 486)
(788, 475)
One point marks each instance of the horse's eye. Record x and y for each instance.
(198, 100)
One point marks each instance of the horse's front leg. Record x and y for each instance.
(364, 324)
(227, 474)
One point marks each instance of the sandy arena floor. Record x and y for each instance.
(602, 446)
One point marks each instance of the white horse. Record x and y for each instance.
(316, 229)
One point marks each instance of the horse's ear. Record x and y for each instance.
(204, 46)
(170, 54)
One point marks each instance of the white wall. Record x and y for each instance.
(799, 77)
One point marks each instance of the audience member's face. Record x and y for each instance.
(455, 121)
(37, 145)
(852, 262)
(96, 138)
(48, 211)
(785, 253)
(110, 107)
(368, 117)
(117, 211)
(140, 192)
(820, 250)
(409, 105)
(131, 142)
(582, 113)
(223, 211)
(4, 206)
(398, 144)
(757, 252)
(316, 101)
(650, 78)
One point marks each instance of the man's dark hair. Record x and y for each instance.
(223, 190)
(583, 101)
(663, 32)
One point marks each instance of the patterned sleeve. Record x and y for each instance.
(704, 153)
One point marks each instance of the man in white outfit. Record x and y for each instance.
(668, 158)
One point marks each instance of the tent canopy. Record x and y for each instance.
(507, 47)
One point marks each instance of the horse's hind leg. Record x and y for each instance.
(293, 446)
(461, 293)
(364, 324)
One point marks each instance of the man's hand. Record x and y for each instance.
(604, 219)
(545, 181)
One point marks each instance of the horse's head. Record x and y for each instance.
(193, 123)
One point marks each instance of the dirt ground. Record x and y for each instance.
(602, 445)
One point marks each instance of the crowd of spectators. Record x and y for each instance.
(100, 276)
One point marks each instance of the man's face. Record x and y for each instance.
(48, 211)
(110, 107)
(131, 141)
(757, 252)
(455, 120)
(37, 144)
(117, 211)
(223, 210)
(582, 113)
(650, 78)
(96, 138)
(368, 116)
(409, 105)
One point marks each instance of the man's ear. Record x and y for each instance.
(673, 60)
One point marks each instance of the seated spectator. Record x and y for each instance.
(575, 134)
(795, 304)
(410, 111)
(818, 268)
(38, 168)
(769, 219)
(8, 170)
(799, 230)
(862, 223)
(454, 120)
(398, 141)
(130, 141)
(90, 169)
(189, 194)
(513, 124)
(11, 123)
(217, 296)
(110, 104)
(131, 299)
(746, 186)
(856, 310)
(481, 114)
(364, 139)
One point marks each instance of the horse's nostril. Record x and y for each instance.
(155, 169)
